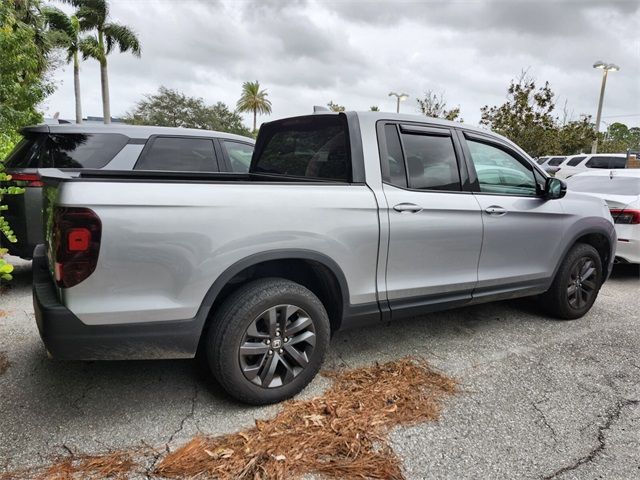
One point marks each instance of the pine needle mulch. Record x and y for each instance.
(340, 434)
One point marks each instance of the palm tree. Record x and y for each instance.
(94, 15)
(254, 100)
(65, 32)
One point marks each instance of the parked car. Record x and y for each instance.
(551, 165)
(581, 163)
(541, 160)
(344, 219)
(621, 190)
(109, 147)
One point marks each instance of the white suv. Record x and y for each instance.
(581, 163)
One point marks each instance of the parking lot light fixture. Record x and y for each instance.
(400, 97)
(606, 68)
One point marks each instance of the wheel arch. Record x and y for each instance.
(316, 271)
(598, 238)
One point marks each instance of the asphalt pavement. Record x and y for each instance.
(540, 398)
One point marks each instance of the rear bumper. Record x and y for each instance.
(66, 337)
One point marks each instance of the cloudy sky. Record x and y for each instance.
(307, 53)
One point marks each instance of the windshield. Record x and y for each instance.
(605, 184)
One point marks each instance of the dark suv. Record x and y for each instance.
(109, 147)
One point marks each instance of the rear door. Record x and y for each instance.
(522, 230)
(435, 226)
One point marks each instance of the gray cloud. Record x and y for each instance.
(355, 52)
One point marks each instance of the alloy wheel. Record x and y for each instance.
(582, 283)
(277, 346)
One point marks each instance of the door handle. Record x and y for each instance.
(496, 210)
(407, 207)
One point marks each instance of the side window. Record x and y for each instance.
(575, 161)
(239, 155)
(84, 150)
(501, 173)
(179, 154)
(598, 162)
(431, 162)
(541, 160)
(555, 161)
(395, 159)
(618, 162)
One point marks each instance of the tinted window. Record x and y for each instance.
(500, 172)
(575, 161)
(239, 155)
(179, 154)
(598, 162)
(541, 160)
(555, 161)
(81, 150)
(395, 160)
(605, 184)
(431, 162)
(27, 153)
(315, 148)
(618, 162)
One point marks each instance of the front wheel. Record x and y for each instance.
(268, 341)
(576, 284)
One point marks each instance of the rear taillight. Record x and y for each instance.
(31, 179)
(75, 244)
(626, 217)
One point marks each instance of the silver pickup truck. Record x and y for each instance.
(343, 220)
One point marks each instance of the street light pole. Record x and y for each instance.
(606, 68)
(400, 97)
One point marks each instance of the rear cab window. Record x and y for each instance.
(178, 154)
(312, 147)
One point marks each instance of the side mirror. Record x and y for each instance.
(554, 188)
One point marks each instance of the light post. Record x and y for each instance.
(606, 68)
(400, 97)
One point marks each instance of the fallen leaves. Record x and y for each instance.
(341, 434)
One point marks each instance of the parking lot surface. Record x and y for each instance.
(540, 398)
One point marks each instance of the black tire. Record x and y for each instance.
(571, 295)
(250, 306)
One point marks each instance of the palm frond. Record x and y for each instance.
(92, 13)
(90, 48)
(123, 37)
(253, 99)
(56, 19)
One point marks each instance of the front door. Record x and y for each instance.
(435, 228)
(522, 230)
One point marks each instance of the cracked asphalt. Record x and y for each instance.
(541, 399)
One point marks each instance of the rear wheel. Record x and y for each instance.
(268, 341)
(576, 285)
